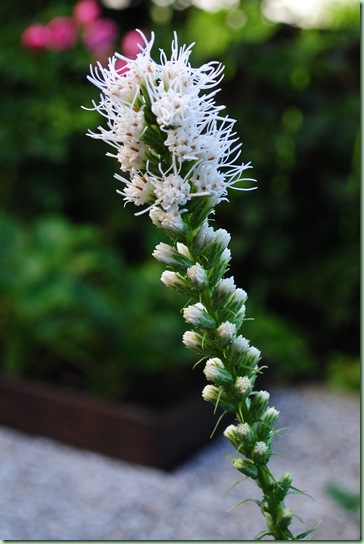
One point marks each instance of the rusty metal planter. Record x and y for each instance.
(160, 438)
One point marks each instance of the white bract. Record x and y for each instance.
(170, 138)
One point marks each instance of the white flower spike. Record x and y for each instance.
(177, 156)
(170, 138)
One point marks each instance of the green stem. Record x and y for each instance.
(272, 506)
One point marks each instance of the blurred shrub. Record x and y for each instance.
(295, 240)
(285, 349)
(70, 307)
(344, 372)
(347, 500)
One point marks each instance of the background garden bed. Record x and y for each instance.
(156, 437)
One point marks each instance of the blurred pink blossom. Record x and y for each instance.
(99, 35)
(121, 66)
(62, 33)
(130, 44)
(86, 11)
(35, 37)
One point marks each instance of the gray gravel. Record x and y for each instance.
(54, 492)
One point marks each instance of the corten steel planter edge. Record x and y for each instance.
(159, 438)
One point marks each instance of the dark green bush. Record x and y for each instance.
(71, 308)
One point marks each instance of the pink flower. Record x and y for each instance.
(86, 11)
(62, 33)
(99, 35)
(121, 66)
(130, 44)
(35, 37)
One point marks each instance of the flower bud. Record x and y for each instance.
(231, 433)
(171, 221)
(240, 296)
(197, 275)
(238, 348)
(243, 386)
(192, 340)
(226, 333)
(252, 357)
(245, 467)
(183, 250)
(261, 453)
(211, 393)
(196, 315)
(270, 416)
(171, 279)
(259, 405)
(222, 238)
(216, 372)
(205, 236)
(199, 342)
(284, 518)
(267, 422)
(229, 301)
(220, 265)
(213, 243)
(237, 316)
(168, 255)
(217, 395)
(225, 287)
(225, 256)
(164, 253)
(246, 434)
(282, 487)
(177, 282)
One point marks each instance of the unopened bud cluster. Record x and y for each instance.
(215, 313)
(231, 364)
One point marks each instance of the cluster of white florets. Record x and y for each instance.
(168, 132)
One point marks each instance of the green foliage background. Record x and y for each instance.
(80, 298)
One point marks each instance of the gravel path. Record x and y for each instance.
(54, 492)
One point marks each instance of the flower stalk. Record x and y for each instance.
(177, 155)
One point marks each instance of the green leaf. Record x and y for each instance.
(259, 503)
(217, 424)
(299, 492)
(306, 533)
(261, 535)
(348, 501)
(235, 484)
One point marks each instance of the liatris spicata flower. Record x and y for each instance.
(177, 156)
(169, 136)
